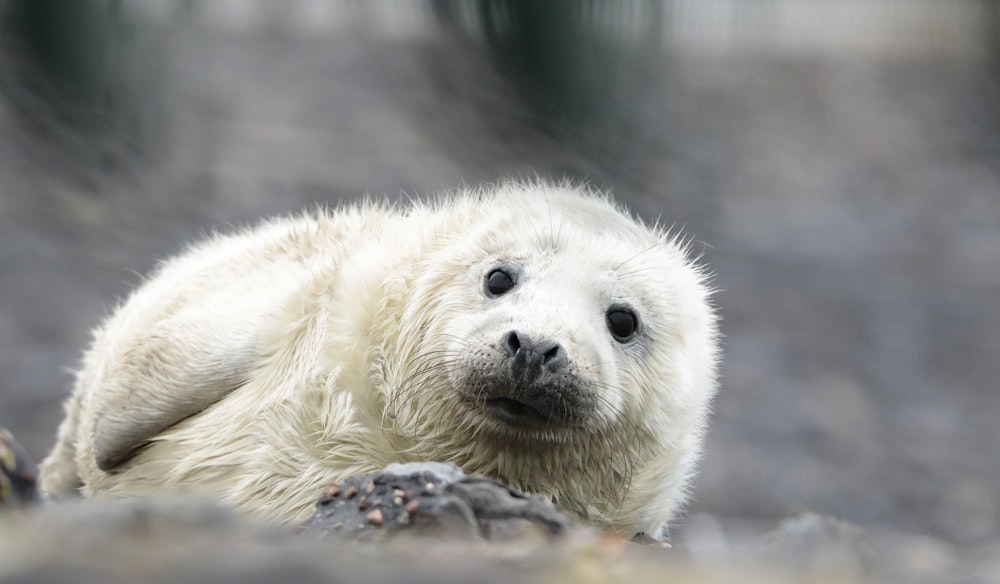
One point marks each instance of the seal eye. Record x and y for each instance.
(622, 322)
(498, 282)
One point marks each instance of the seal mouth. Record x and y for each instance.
(515, 413)
(528, 408)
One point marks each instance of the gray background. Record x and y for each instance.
(838, 167)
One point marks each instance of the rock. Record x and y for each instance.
(18, 475)
(429, 522)
(174, 541)
(809, 543)
(431, 499)
(161, 541)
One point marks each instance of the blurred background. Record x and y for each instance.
(838, 163)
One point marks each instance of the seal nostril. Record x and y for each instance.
(512, 342)
(552, 354)
(551, 357)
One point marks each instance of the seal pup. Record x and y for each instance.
(533, 333)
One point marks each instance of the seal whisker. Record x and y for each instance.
(641, 253)
(640, 270)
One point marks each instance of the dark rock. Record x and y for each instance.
(431, 499)
(18, 475)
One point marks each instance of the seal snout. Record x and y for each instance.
(531, 361)
(541, 388)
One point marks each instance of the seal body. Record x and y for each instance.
(535, 333)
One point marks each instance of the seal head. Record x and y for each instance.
(567, 349)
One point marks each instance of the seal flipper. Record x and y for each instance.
(122, 431)
(165, 380)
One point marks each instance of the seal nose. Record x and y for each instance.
(530, 360)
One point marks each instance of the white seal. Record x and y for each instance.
(536, 334)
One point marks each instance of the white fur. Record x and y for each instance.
(261, 366)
